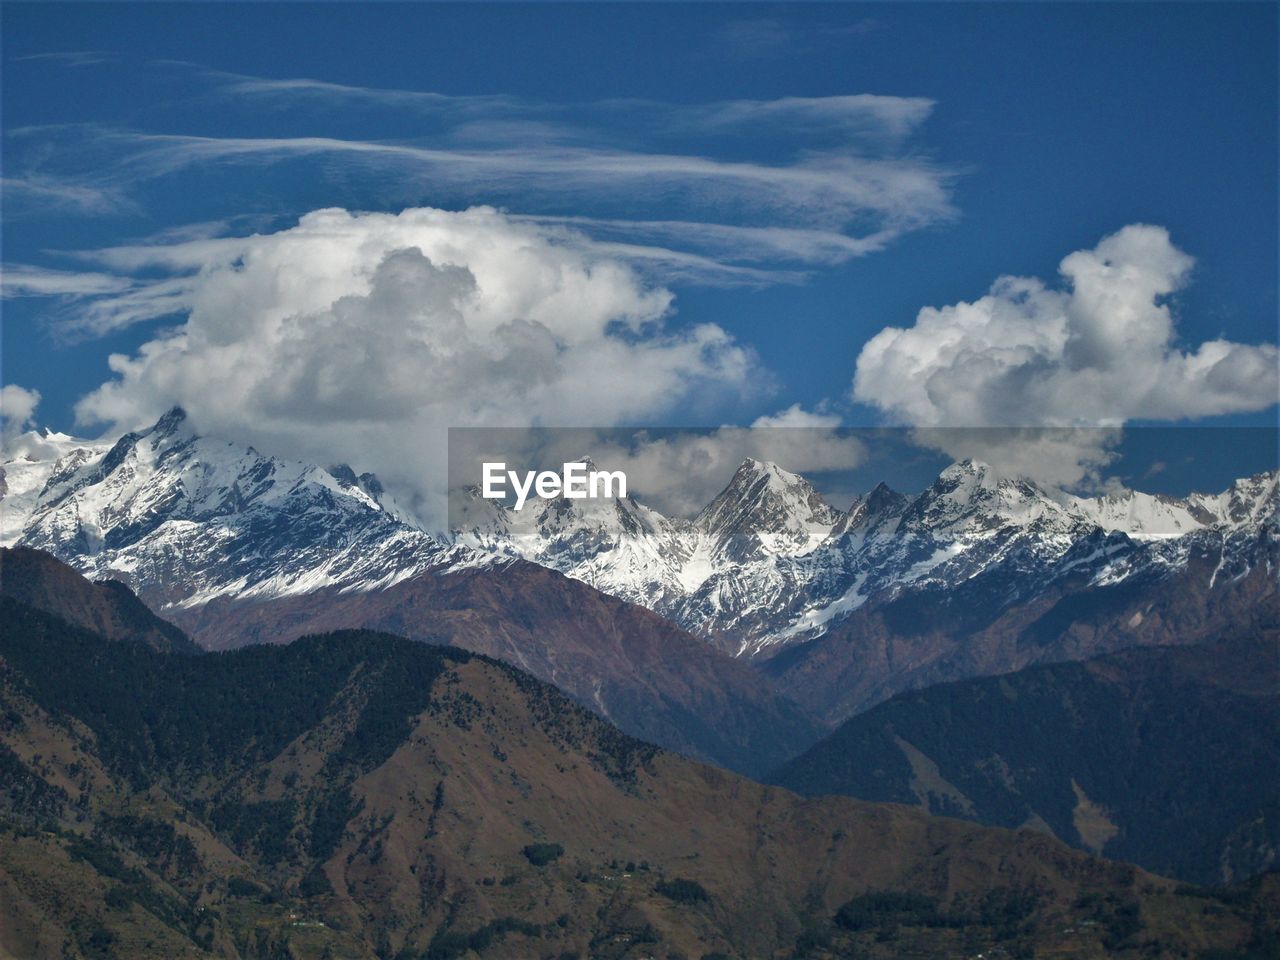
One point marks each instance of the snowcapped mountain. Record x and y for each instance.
(767, 512)
(183, 518)
(239, 548)
(768, 563)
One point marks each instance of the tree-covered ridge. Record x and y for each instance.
(354, 795)
(155, 714)
(107, 608)
(1167, 757)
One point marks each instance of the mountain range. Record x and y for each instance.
(354, 794)
(977, 575)
(240, 548)
(768, 564)
(836, 610)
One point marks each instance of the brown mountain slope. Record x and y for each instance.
(107, 607)
(355, 795)
(966, 630)
(632, 666)
(1168, 757)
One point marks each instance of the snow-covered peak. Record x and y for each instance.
(780, 511)
(174, 426)
(184, 518)
(883, 499)
(882, 505)
(556, 520)
(971, 495)
(31, 460)
(1249, 500)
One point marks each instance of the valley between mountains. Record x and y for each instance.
(355, 794)
(253, 708)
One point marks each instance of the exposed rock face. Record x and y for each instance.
(238, 548)
(978, 574)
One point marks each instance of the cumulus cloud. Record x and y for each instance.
(17, 410)
(362, 337)
(1096, 352)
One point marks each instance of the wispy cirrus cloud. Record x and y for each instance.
(851, 170)
(677, 191)
(292, 90)
(70, 58)
(872, 117)
(818, 211)
(829, 188)
(739, 243)
(754, 37)
(20, 280)
(761, 38)
(42, 191)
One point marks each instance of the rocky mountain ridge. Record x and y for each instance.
(768, 564)
(184, 519)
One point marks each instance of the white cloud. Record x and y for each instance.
(362, 337)
(727, 243)
(35, 192)
(20, 280)
(17, 410)
(1074, 458)
(877, 119)
(832, 189)
(1098, 352)
(689, 173)
(766, 37)
(852, 116)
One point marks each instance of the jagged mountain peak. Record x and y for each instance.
(766, 561)
(770, 471)
(171, 422)
(1254, 498)
(883, 496)
(970, 492)
(183, 518)
(345, 476)
(882, 504)
(763, 499)
(975, 477)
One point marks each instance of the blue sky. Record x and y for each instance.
(992, 140)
